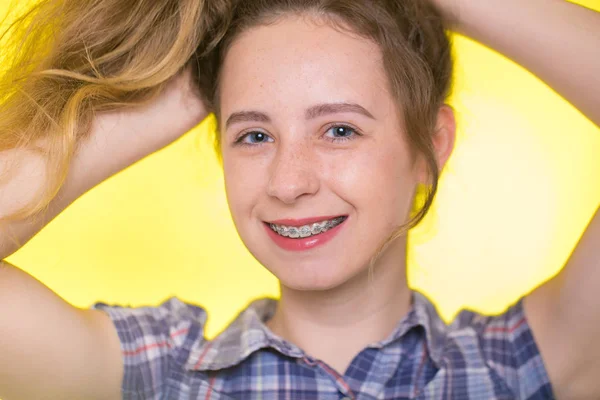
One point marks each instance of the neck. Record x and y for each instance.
(336, 324)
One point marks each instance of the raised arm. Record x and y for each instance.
(115, 84)
(551, 38)
(89, 107)
(554, 38)
(116, 140)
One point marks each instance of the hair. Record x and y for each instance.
(65, 60)
(73, 58)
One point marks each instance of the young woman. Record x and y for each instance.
(309, 94)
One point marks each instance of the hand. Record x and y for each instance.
(451, 10)
(131, 134)
(174, 112)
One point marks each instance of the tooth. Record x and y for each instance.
(305, 231)
(293, 233)
(316, 228)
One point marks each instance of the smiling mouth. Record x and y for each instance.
(304, 231)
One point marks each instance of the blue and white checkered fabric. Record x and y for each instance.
(477, 357)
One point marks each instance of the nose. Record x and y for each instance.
(293, 174)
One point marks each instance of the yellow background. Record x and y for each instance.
(520, 188)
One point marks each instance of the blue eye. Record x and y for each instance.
(254, 138)
(340, 133)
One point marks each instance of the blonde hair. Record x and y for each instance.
(65, 60)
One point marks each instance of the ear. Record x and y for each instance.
(443, 140)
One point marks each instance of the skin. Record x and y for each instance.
(301, 169)
(549, 37)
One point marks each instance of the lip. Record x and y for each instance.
(303, 244)
(303, 221)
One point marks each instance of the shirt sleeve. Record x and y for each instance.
(151, 339)
(509, 348)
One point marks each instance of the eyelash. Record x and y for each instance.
(355, 131)
(240, 141)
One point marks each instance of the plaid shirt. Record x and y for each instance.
(167, 357)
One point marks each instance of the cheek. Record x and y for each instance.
(245, 180)
(234, 186)
(380, 177)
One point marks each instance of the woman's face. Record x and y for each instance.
(312, 141)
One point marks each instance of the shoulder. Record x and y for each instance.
(505, 345)
(166, 325)
(154, 339)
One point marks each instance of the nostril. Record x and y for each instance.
(290, 185)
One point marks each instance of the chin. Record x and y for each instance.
(313, 275)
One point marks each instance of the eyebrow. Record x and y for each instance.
(333, 108)
(311, 113)
(243, 116)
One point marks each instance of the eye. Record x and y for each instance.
(341, 133)
(254, 138)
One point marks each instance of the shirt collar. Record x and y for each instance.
(422, 313)
(248, 334)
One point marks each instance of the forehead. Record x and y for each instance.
(296, 63)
